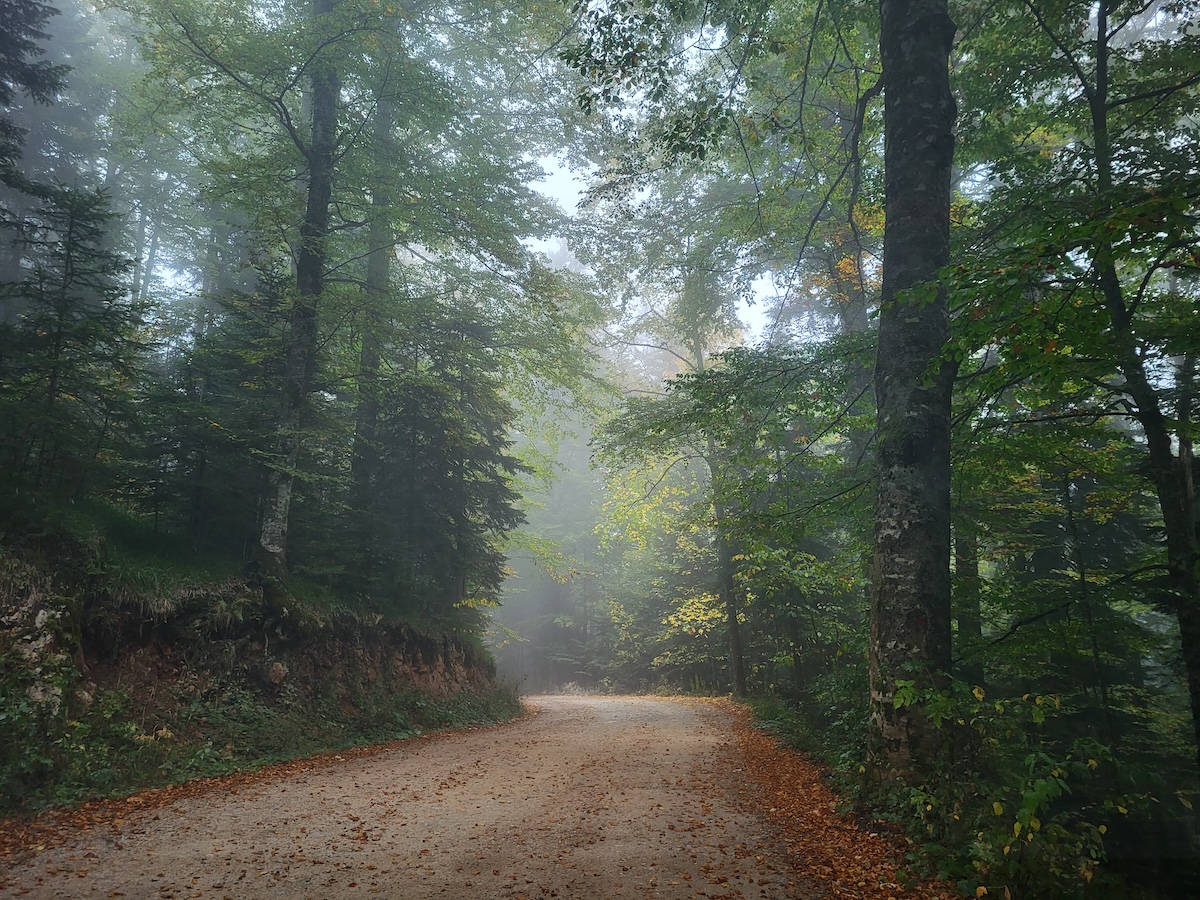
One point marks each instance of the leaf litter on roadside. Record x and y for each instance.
(825, 847)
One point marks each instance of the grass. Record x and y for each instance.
(115, 749)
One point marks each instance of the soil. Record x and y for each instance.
(586, 797)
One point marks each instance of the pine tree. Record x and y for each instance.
(22, 27)
(69, 346)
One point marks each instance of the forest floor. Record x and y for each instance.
(584, 797)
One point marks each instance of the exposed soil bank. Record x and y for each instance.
(104, 691)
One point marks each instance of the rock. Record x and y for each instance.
(277, 672)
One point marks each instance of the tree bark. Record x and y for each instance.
(726, 585)
(364, 458)
(910, 604)
(967, 609)
(729, 597)
(302, 337)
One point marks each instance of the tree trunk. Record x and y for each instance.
(726, 585)
(969, 617)
(364, 458)
(910, 604)
(737, 658)
(1089, 616)
(302, 333)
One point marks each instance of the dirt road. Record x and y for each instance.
(590, 798)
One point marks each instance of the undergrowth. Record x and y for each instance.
(113, 749)
(1010, 814)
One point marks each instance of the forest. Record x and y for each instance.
(838, 356)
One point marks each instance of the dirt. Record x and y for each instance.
(587, 797)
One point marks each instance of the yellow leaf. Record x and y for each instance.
(978, 692)
(998, 808)
(1092, 764)
(981, 891)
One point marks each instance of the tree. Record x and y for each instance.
(1087, 276)
(311, 256)
(638, 47)
(23, 23)
(554, 625)
(682, 271)
(69, 348)
(910, 607)
(787, 495)
(404, 108)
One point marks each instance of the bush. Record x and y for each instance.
(37, 675)
(1012, 813)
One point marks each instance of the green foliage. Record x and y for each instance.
(827, 719)
(23, 73)
(783, 481)
(143, 358)
(1026, 811)
(69, 347)
(110, 749)
(105, 753)
(37, 674)
(1073, 292)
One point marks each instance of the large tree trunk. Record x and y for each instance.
(302, 333)
(910, 604)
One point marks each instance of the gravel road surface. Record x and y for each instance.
(589, 797)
